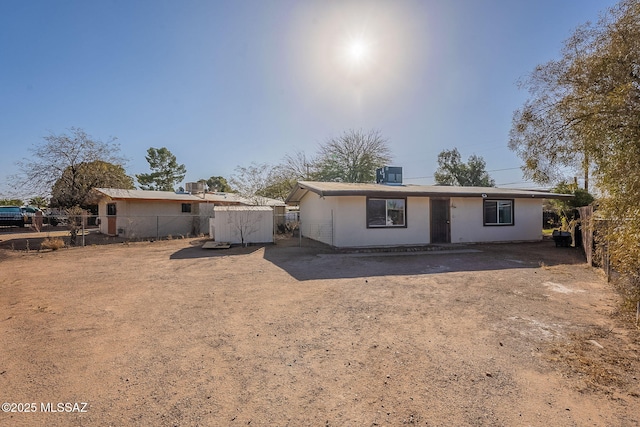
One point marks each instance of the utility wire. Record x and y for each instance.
(493, 170)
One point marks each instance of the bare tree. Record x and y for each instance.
(251, 181)
(299, 166)
(65, 157)
(244, 222)
(353, 156)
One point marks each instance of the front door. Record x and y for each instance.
(111, 219)
(440, 221)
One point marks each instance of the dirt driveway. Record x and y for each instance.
(169, 334)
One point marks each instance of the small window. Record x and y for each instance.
(111, 209)
(386, 213)
(498, 212)
(186, 207)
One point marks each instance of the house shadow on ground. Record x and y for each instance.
(195, 251)
(321, 262)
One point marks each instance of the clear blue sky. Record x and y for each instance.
(227, 83)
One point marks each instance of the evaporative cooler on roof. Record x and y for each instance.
(390, 175)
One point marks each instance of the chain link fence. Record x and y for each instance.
(89, 229)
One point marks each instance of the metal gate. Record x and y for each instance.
(440, 221)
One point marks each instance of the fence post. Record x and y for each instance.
(607, 265)
(83, 218)
(331, 227)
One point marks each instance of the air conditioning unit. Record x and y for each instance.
(194, 187)
(389, 175)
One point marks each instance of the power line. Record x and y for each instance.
(493, 170)
(505, 169)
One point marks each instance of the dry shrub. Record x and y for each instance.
(52, 243)
(609, 368)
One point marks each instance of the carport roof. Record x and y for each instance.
(382, 190)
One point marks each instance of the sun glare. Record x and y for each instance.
(358, 54)
(354, 50)
(358, 51)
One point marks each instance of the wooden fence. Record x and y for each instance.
(597, 253)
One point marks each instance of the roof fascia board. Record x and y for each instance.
(402, 194)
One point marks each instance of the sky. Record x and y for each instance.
(223, 84)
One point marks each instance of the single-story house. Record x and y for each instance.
(143, 213)
(373, 215)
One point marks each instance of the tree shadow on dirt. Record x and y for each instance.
(310, 264)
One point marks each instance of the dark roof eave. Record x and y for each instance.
(301, 190)
(487, 195)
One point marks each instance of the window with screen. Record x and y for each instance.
(498, 212)
(383, 213)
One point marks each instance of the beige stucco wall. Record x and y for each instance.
(350, 223)
(141, 219)
(467, 223)
(341, 222)
(316, 217)
(206, 213)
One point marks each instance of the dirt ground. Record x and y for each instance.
(168, 334)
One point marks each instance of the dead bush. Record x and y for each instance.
(54, 243)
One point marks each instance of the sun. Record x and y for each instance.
(358, 51)
(357, 55)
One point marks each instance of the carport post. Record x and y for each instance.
(157, 227)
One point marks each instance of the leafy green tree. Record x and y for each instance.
(65, 157)
(74, 187)
(453, 171)
(278, 184)
(584, 112)
(218, 184)
(166, 172)
(581, 197)
(353, 156)
(565, 208)
(11, 202)
(38, 201)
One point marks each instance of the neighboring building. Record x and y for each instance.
(142, 213)
(376, 215)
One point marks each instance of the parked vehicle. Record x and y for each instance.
(28, 212)
(11, 215)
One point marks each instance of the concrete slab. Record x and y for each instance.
(216, 245)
